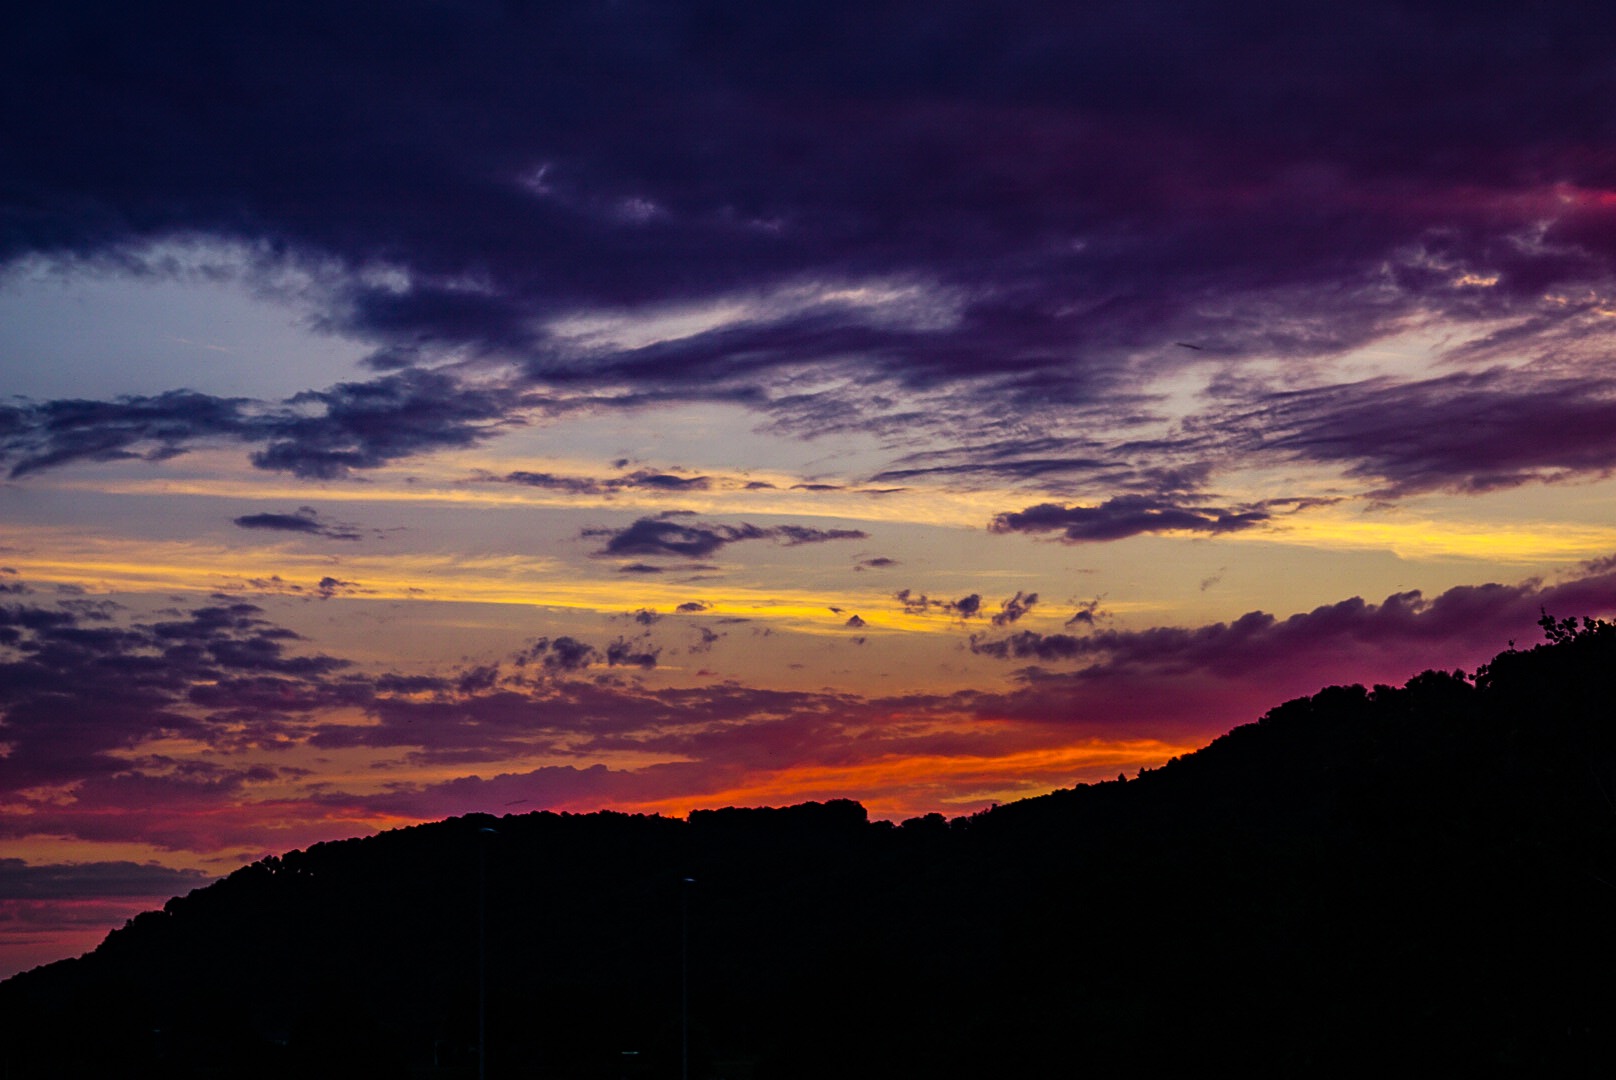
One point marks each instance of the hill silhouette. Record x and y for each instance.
(1421, 875)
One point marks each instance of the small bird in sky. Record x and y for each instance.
(1187, 345)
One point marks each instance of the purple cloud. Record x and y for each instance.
(1471, 432)
(1124, 516)
(666, 536)
(1480, 615)
(642, 480)
(1014, 608)
(20, 880)
(966, 607)
(1013, 211)
(306, 521)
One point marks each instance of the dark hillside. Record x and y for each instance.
(1423, 874)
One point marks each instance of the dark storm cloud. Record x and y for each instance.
(1124, 516)
(1044, 202)
(665, 536)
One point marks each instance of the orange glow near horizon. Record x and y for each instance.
(900, 787)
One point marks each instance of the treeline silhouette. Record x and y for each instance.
(1421, 877)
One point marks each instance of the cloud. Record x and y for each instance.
(663, 536)
(275, 585)
(153, 428)
(306, 520)
(1480, 615)
(654, 536)
(1016, 221)
(365, 425)
(642, 480)
(1012, 459)
(104, 699)
(624, 653)
(562, 654)
(1087, 612)
(796, 535)
(78, 689)
(1468, 431)
(966, 607)
(317, 434)
(879, 562)
(20, 880)
(1014, 608)
(330, 586)
(1125, 516)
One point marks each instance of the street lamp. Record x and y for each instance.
(684, 977)
(484, 834)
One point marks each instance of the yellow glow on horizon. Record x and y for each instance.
(447, 480)
(1426, 537)
(137, 566)
(51, 849)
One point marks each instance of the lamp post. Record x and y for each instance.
(483, 836)
(684, 977)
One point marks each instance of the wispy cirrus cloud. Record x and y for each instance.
(1466, 431)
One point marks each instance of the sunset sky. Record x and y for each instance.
(411, 408)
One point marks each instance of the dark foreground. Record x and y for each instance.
(1421, 876)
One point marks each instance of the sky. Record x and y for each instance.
(417, 407)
